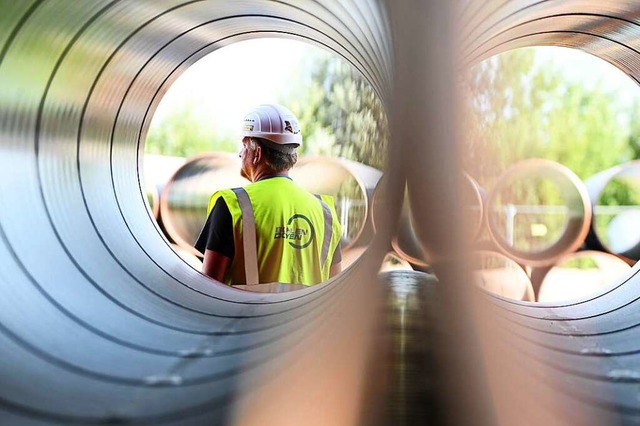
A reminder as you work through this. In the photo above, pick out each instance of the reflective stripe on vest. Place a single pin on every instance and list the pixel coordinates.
(249, 235)
(328, 224)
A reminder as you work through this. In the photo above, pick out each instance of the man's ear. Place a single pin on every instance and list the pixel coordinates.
(257, 154)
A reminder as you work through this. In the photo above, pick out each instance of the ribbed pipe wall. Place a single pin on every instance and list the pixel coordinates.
(101, 322)
(589, 348)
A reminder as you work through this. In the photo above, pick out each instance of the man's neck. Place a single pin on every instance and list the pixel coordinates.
(264, 173)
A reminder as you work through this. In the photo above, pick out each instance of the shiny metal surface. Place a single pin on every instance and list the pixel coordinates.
(102, 323)
(110, 325)
(412, 323)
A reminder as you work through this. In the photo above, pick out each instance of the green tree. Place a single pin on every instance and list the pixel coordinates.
(503, 112)
(585, 133)
(519, 109)
(339, 111)
(633, 139)
(184, 133)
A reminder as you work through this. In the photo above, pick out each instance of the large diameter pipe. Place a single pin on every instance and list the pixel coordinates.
(125, 332)
(352, 184)
(580, 275)
(405, 242)
(499, 275)
(615, 227)
(529, 229)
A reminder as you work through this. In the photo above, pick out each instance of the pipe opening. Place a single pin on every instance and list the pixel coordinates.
(194, 135)
(548, 129)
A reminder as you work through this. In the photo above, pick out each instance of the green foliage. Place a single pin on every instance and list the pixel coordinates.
(339, 112)
(531, 191)
(587, 136)
(518, 110)
(583, 262)
(620, 192)
(183, 133)
(633, 137)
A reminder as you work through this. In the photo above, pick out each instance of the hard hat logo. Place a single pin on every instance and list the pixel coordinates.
(289, 127)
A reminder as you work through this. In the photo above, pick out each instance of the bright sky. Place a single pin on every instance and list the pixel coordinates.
(226, 83)
(231, 80)
(580, 66)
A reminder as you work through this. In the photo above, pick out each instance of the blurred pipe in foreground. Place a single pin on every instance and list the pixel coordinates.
(615, 197)
(529, 228)
(423, 123)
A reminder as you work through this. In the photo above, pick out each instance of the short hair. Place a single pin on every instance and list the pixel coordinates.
(278, 161)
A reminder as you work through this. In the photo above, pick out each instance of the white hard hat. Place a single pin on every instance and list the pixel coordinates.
(274, 123)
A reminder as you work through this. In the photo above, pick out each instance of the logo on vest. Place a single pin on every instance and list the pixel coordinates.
(299, 231)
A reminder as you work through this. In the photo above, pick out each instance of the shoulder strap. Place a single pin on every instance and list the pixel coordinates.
(328, 230)
(248, 237)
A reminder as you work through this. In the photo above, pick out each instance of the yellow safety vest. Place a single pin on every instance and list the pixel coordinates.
(295, 233)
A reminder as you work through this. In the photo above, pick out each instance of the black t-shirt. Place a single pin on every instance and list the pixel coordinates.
(217, 233)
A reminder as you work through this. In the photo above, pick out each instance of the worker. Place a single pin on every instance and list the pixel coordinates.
(271, 230)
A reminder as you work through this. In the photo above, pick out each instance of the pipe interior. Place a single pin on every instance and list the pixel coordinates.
(80, 253)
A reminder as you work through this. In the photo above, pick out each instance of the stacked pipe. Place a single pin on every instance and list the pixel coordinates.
(536, 244)
(558, 270)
